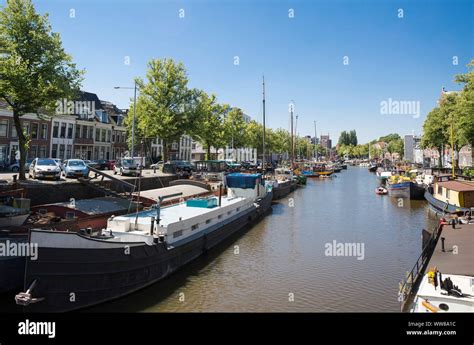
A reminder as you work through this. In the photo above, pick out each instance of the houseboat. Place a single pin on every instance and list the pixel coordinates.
(75, 270)
(451, 196)
(283, 183)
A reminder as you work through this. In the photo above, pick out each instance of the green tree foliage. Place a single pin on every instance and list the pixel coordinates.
(165, 105)
(209, 127)
(235, 128)
(35, 71)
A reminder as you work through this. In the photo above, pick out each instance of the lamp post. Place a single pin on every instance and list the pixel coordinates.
(134, 88)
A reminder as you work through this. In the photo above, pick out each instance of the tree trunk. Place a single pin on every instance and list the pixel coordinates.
(22, 143)
(165, 150)
(208, 157)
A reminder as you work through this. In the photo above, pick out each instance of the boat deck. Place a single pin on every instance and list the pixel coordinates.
(447, 262)
(186, 190)
(175, 213)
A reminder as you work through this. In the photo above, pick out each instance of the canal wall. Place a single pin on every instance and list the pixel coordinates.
(47, 193)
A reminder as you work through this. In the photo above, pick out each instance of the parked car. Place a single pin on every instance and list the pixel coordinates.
(75, 168)
(111, 165)
(101, 164)
(157, 165)
(126, 166)
(15, 167)
(44, 167)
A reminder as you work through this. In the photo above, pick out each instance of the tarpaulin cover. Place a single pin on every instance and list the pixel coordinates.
(238, 180)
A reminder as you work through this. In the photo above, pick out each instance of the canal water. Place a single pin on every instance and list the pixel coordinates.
(281, 264)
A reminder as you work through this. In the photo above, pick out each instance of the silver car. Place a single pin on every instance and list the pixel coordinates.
(44, 168)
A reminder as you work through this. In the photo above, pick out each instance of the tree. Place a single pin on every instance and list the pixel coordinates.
(165, 106)
(464, 111)
(352, 138)
(209, 122)
(281, 141)
(35, 71)
(234, 128)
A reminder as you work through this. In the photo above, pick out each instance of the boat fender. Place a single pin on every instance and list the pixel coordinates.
(429, 306)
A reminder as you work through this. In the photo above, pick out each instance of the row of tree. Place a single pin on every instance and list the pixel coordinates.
(348, 138)
(392, 143)
(451, 122)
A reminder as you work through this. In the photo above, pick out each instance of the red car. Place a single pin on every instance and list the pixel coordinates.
(110, 165)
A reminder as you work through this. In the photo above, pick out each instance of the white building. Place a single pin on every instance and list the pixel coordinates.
(62, 136)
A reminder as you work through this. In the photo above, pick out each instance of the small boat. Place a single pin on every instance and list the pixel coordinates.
(381, 191)
(373, 167)
(74, 270)
(344, 166)
(383, 175)
(283, 184)
(13, 211)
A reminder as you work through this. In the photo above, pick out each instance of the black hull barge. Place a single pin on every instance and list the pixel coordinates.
(74, 271)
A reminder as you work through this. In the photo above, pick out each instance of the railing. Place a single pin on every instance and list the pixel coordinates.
(412, 279)
(117, 185)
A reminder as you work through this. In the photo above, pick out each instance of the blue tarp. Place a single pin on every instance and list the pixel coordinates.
(239, 180)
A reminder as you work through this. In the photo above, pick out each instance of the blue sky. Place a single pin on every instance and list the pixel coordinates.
(407, 58)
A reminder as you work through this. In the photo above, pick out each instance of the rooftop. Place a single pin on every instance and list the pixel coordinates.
(458, 186)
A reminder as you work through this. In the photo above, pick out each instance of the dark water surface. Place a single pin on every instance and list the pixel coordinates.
(281, 263)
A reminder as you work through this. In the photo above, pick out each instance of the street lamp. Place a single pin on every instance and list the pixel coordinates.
(134, 111)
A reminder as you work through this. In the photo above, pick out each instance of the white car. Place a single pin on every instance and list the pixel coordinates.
(45, 168)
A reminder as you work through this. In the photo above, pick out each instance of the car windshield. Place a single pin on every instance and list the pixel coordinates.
(128, 162)
(76, 163)
(47, 162)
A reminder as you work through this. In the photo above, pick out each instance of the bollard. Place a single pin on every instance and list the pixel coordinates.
(442, 244)
(453, 223)
(14, 178)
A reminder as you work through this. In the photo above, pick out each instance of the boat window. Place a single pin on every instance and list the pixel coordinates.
(208, 221)
(195, 226)
(229, 212)
(177, 233)
(447, 193)
(238, 209)
(444, 306)
(440, 190)
(219, 216)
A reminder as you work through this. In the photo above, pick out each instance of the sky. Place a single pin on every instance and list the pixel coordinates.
(338, 61)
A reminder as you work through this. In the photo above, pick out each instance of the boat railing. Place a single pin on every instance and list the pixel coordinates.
(114, 185)
(413, 277)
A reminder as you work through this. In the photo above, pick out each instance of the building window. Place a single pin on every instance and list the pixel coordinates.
(54, 151)
(14, 133)
(109, 136)
(42, 152)
(61, 151)
(69, 152)
(103, 138)
(34, 151)
(97, 134)
(70, 129)
(78, 131)
(34, 130)
(3, 128)
(91, 132)
(55, 131)
(63, 130)
(44, 131)
(26, 128)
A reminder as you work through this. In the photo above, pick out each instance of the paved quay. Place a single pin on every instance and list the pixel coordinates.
(458, 255)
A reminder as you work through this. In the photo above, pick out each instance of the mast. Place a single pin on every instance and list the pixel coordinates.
(263, 158)
(315, 138)
(291, 131)
(296, 137)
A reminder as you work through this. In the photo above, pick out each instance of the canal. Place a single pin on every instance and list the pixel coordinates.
(280, 265)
